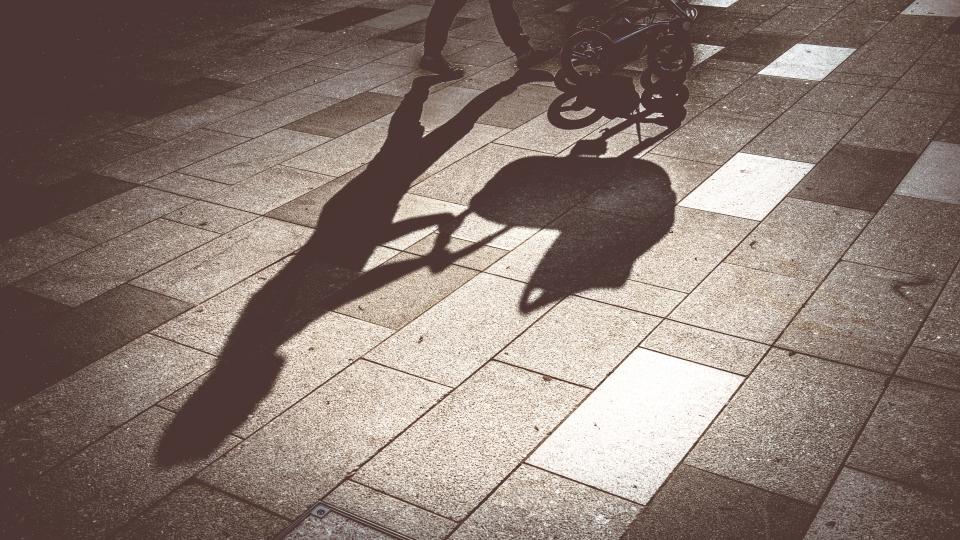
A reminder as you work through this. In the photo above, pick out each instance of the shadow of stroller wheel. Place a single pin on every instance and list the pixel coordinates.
(567, 103)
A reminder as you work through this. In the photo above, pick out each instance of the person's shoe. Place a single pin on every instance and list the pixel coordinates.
(534, 57)
(440, 66)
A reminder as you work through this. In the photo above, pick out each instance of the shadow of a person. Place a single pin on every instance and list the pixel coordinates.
(328, 271)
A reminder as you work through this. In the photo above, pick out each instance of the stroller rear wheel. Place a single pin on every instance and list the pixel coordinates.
(586, 55)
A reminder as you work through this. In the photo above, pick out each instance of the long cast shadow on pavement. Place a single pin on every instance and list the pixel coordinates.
(593, 249)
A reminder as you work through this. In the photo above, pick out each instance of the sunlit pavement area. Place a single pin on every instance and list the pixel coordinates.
(245, 295)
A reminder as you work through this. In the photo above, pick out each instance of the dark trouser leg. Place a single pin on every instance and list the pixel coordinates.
(438, 25)
(508, 25)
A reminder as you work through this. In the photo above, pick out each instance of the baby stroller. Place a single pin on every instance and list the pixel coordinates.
(601, 46)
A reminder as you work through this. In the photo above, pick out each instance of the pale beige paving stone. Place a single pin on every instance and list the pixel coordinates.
(789, 427)
(540, 135)
(444, 104)
(99, 269)
(638, 297)
(413, 207)
(50, 426)
(707, 347)
(110, 482)
(636, 427)
(389, 512)
(915, 236)
(478, 137)
(25, 254)
(801, 239)
(861, 505)
(464, 447)
(533, 503)
(204, 272)
(283, 83)
(119, 214)
(744, 302)
(357, 81)
(194, 510)
(319, 351)
(345, 153)
(461, 332)
(302, 455)
(579, 341)
(211, 217)
(176, 123)
(863, 316)
(273, 114)
(254, 156)
(941, 331)
(935, 175)
(171, 155)
(268, 189)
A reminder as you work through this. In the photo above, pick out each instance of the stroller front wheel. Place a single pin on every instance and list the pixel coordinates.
(586, 55)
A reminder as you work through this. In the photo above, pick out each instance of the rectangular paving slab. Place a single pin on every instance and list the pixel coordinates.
(119, 214)
(171, 155)
(389, 512)
(243, 161)
(707, 347)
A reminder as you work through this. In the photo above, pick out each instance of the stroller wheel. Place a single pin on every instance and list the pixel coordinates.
(670, 55)
(585, 55)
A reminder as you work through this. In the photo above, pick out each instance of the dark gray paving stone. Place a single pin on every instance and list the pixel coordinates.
(520, 106)
(878, 10)
(414, 33)
(268, 189)
(119, 214)
(913, 29)
(848, 99)
(894, 126)
(950, 132)
(342, 19)
(916, 236)
(532, 503)
(861, 505)
(756, 48)
(91, 155)
(765, 97)
(914, 437)
(279, 112)
(716, 26)
(744, 302)
(362, 53)
(484, 53)
(110, 482)
(191, 117)
(707, 347)
(941, 332)
(931, 367)
(855, 177)
(862, 316)
(705, 81)
(801, 135)
(696, 504)
(875, 81)
(712, 137)
(801, 239)
(844, 32)
(304, 449)
(789, 427)
(758, 8)
(36, 250)
(346, 115)
(255, 156)
(933, 78)
(796, 21)
(882, 58)
(195, 511)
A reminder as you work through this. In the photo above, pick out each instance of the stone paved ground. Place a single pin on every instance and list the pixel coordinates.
(749, 330)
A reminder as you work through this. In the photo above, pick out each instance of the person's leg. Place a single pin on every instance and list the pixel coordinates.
(508, 26)
(438, 25)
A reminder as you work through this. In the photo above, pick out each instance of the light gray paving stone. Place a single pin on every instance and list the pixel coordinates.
(789, 427)
(273, 114)
(540, 135)
(408, 296)
(171, 155)
(748, 186)
(184, 184)
(913, 437)
(714, 136)
(707, 347)
(479, 136)
(638, 297)
(744, 302)
(863, 316)
(636, 427)
(415, 206)
(360, 54)
(196, 511)
(99, 269)
(444, 104)
(861, 505)
(459, 182)
(931, 367)
(269, 189)
(283, 83)
(465, 446)
(255, 66)
(357, 81)
(479, 260)
(805, 61)
(934, 8)
(119, 214)
(935, 175)
(389, 512)
(111, 481)
(43, 430)
(180, 121)
(399, 17)
(94, 154)
(211, 217)
(457, 335)
(254, 156)
(204, 272)
(941, 331)
(916, 236)
(801, 239)
(697, 242)
(345, 153)
(321, 440)
(579, 341)
(533, 503)
(333, 525)
(36, 250)
(316, 353)
(802, 135)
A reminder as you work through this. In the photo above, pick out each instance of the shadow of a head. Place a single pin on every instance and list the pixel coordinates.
(598, 217)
